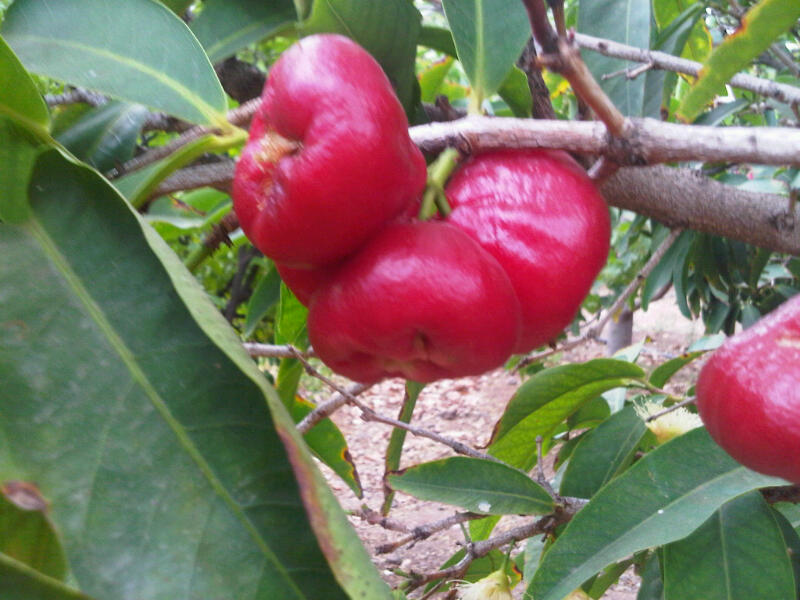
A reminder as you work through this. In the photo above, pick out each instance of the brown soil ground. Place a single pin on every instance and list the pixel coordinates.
(466, 410)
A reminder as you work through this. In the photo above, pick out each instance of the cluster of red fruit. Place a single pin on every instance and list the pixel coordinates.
(328, 186)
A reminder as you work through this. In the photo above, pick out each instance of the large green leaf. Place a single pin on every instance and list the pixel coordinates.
(26, 534)
(18, 148)
(130, 402)
(625, 21)
(739, 553)
(137, 50)
(602, 453)
(662, 498)
(549, 397)
(478, 485)
(760, 26)
(105, 136)
(18, 581)
(388, 30)
(489, 36)
(226, 26)
(19, 98)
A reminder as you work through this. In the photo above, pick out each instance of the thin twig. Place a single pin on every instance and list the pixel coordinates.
(670, 409)
(661, 60)
(330, 406)
(370, 415)
(595, 330)
(275, 351)
(416, 534)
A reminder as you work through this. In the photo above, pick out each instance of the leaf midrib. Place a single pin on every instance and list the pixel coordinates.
(205, 109)
(51, 250)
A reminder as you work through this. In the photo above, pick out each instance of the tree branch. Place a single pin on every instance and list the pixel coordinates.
(661, 60)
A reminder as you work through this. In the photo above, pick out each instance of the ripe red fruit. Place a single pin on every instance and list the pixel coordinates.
(748, 394)
(329, 160)
(421, 301)
(541, 217)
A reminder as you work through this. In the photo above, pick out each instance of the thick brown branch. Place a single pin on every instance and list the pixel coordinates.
(661, 60)
(684, 198)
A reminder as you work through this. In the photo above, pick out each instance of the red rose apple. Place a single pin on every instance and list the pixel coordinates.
(748, 394)
(422, 301)
(329, 160)
(538, 213)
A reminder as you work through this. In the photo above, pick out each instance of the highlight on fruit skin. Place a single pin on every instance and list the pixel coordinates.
(748, 394)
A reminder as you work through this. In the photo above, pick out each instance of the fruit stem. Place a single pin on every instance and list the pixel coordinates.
(434, 199)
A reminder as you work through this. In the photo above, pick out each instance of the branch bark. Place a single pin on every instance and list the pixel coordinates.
(668, 62)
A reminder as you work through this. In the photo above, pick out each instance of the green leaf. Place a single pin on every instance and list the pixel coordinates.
(489, 36)
(652, 587)
(18, 149)
(662, 498)
(106, 135)
(265, 296)
(738, 553)
(760, 27)
(328, 444)
(478, 485)
(791, 512)
(625, 21)
(388, 30)
(226, 26)
(548, 398)
(394, 450)
(176, 6)
(437, 38)
(99, 45)
(516, 93)
(431, 79)
(602, 454)
(151, 434)
(672, 39)
(19, 98)
(698, 45)
(20, 582)
(663, 271)
(663, 372)
(26, 534)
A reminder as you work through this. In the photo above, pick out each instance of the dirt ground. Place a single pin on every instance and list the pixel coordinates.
(465, 410)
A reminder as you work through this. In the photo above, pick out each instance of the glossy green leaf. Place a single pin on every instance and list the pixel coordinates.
(265, 295)
(760, 27)
(388, 30)
(625, 21)
(431, 79)
(394, 450)
(489, 36)
(20, 582)
(738, 553)
(99, 45)
(18, 149)
(664, 372)
(602, 454)
(662, 274)
(478, 485)
(19, 98)
(151, 434)
(660, 84)
(26, 534)
(792, 543)
(791, 512)
(105, 136)
(328, 444)
(516, 93)
(549, 397)
(437, 38)
(662, 498)
(226, 26)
